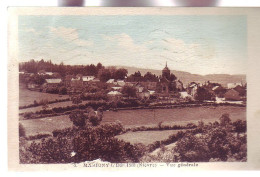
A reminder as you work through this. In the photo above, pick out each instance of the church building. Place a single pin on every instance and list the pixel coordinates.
(167, 82)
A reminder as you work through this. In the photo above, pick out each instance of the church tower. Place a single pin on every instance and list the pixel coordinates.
(166, 72)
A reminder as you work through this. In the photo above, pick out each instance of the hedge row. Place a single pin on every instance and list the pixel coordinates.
(35, 104)
(163, 127)
(112, 105)
(38, 136)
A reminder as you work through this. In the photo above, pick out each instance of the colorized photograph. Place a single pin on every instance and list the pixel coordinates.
(132, 88)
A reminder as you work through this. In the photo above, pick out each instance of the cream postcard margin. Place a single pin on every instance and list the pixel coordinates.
(253, 81)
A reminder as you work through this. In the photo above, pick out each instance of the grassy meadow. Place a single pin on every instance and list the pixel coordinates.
(27, 97)
(146, 137)
(144, 117)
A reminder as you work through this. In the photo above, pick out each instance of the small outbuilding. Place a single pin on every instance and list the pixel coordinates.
(232, 95)
(114, 93)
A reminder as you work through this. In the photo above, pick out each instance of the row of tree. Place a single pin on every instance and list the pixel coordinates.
(33, 66)
(103, 73)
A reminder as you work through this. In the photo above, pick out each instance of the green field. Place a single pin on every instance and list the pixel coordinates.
(27, 97)
(145, 117)
(146, 137)
(45, 125)
(50, 106)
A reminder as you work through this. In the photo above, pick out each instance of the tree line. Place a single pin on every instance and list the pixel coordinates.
(33, 66)
(99, 71)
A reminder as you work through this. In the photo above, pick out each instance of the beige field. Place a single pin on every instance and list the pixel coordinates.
(146, 137)
(27, 97)
(135, 118)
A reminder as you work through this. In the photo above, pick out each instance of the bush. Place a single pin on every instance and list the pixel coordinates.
(28, 115)
(160, 125)
(65, 132)
(91, 117)
(239, 126)
(43, 102)
(38, 136)
(210, 142)
(35, 103)
(78, 117)
(50, 151)
(192, 149)
(53, 90)
(88, 143)
(95, 96)
(94, 120)
(63, 90)
(215, 144)
(224, 119)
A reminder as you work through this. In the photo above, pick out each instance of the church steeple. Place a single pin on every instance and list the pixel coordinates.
(166, 71)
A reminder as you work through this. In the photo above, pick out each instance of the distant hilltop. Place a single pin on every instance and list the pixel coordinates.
(187, 77)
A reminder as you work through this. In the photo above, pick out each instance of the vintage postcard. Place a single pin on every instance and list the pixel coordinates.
(119, 88)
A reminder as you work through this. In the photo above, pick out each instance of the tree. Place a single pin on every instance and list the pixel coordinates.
(172, 77)
(95, 117)
(37, 79)
(239, 126)
(150, 77)
(62, 69)
(92, 70)
(78, 118)
(192, 149)
(76, 100)
(224, 119)
(203, 94)
(44, 103)
(137, 74)
(90, 117)
(136, 77)
(120, 74)
(130, 91)
(63, 90)
(100, 66)
(104, 75)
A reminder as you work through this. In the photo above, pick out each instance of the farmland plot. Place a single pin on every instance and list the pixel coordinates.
(50, 106)
(144, 117)
(146, 137)
(27, 97)
(179, 116)
(45, 125)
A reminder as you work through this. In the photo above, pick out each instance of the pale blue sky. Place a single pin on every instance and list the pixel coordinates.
(196, 44)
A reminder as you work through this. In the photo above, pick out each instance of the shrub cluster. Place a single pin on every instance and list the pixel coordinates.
(38, 136)
(124, 103)
(35, 103)
(52, 90)
(94, 96)
(82, 144)
(93, 104)
(211, 142)
(163, 127)
(216, 144)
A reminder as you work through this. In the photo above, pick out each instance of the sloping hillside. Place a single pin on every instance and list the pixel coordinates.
(187, 77)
